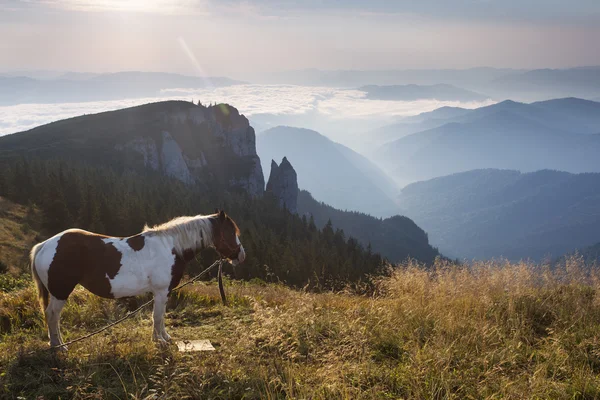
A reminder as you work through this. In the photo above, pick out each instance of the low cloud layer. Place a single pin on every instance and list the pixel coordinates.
(336, 104)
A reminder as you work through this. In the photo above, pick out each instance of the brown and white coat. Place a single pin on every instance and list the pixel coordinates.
(152, 261)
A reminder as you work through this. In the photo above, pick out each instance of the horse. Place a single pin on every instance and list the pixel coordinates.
(114, 267)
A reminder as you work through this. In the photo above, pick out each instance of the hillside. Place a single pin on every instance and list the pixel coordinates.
(558, 134)
(396, 238)
(441, 92)
(488, 331)
(280, 246)
(501, 213)
(18, 231)
(332, 172)
(192, 143)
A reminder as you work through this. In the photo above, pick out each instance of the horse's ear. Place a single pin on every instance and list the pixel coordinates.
(222, 215)
(216, 210)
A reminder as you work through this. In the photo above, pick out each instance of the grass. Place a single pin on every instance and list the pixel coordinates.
(493, 330)
(18, 233)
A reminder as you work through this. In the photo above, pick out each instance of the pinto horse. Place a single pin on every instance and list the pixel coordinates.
(113, 267)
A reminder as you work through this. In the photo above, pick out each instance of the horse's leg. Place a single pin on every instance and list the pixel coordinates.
(160, 305)
(164, 333)
(53, 311)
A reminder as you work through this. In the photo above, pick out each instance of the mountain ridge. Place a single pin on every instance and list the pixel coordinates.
(411, 92)
(553, 134)
(99, 87)
(397, 237)
(489, 213)
(190, 142)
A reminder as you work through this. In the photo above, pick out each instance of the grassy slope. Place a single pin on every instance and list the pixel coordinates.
(19, 231)
(17, 235)
(495, 331)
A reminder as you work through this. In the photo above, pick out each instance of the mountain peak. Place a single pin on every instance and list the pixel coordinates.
(283, 184)
(507, 103)
(285, 164)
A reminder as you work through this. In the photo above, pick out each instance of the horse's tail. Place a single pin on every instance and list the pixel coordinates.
(43, 294)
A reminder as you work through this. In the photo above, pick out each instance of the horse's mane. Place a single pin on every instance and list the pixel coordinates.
(187, 231)
(237, 229)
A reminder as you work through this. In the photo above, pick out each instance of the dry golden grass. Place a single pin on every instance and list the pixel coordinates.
(17, 235)
(494, 330)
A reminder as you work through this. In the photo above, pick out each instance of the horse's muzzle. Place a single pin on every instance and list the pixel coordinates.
(241, 256)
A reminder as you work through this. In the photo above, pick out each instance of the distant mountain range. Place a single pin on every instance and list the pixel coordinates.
(523, 85)
(332, 172)
(548, 83)
(497, 83)
(441, 92)
(501, 213)
(558, 134)
(377, 137)
(75, 87)
(354, 78)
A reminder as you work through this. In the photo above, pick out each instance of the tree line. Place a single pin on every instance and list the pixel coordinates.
(280, 246)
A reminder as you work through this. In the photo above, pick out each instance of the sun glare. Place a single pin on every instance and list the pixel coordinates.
(149, 6)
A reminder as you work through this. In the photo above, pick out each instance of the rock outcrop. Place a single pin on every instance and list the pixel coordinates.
(199, 144)
(283, 184)
(146, 147)
(172, 159)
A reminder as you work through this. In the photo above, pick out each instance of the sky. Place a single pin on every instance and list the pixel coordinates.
(242, 38)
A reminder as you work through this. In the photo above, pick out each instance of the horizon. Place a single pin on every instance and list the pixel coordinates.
(307, 69)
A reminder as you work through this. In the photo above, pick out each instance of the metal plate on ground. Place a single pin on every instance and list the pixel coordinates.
(195, 345)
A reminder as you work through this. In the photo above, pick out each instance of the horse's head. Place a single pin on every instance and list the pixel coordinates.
(226, 238)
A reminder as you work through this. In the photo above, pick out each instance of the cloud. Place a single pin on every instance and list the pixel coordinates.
(261, 99)
(354, 104)
(332, 102)
(335, 104)
(22, 117)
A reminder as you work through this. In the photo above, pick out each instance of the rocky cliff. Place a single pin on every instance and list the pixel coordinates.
(204, 143)
(283, 184)
(192, 143)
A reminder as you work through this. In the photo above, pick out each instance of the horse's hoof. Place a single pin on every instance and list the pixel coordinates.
(167, 337)
(159, 340)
